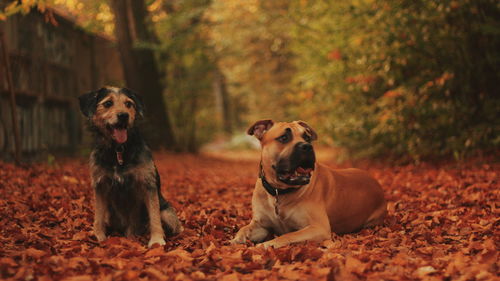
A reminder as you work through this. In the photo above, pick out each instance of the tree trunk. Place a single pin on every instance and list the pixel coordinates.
(222, 99)
(141, 72)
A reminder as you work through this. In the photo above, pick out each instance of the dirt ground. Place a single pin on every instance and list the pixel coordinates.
(443, 224)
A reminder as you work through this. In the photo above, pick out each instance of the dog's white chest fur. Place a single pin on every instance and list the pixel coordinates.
(117, 176)
(280, 218)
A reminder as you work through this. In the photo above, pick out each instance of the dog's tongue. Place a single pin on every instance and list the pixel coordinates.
(304, 171)
(120, 135)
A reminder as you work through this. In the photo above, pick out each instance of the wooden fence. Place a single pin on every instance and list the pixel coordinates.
(51, 66)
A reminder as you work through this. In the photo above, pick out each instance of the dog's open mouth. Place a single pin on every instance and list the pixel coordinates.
(299, 176)
(118, 133)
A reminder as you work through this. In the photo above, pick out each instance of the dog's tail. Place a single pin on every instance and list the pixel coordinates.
(170, 222)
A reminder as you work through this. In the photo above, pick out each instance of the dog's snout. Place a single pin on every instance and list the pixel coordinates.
(122, 116)
(305, 146)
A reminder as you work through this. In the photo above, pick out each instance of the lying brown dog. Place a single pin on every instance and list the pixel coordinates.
(302, 200)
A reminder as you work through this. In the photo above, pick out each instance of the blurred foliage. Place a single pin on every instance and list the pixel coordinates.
(414, 78)
(189, 64)
(380, 78)
(251, 41)
(9, 8)
(93, 15)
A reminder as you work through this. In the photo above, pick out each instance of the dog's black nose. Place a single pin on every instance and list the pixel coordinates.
(304, 146)
(122, 116)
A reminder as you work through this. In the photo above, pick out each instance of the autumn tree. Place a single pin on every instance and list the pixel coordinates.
(409, 78)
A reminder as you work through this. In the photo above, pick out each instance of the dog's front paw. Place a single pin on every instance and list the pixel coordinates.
(240, 238)
(238, 241)
(270, 243)
(265, 245)
(100, 236)
(156, 240)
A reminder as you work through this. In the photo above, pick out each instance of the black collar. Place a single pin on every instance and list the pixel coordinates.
(276, 191)
(272, 190)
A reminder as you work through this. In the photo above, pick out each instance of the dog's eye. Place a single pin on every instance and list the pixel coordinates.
(283, 139)
(128, 104)
(108, 104)
(306, 137)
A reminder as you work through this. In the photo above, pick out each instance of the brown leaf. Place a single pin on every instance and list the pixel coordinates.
(352, 264)
(441, 225)
(184, 255)
(230, 277)
(79, 278)
(153, 272)
(155, 252)
(34, 253)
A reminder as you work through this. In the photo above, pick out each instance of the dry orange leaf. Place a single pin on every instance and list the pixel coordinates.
(441, 225)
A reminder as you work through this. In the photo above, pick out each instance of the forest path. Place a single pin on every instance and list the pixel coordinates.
(443, 222)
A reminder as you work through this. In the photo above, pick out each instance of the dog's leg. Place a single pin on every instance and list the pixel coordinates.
(253, 232)
(153, 206)
(309, 233)
(100, 216)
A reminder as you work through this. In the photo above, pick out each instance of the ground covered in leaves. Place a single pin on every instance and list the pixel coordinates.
(443, 224)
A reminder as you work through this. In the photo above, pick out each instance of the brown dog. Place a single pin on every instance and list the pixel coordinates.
(303, 200)
(127, 186)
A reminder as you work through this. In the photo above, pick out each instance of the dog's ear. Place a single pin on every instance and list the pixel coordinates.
(139, 105)
(309, 130)
(88, 103)
(259, 128)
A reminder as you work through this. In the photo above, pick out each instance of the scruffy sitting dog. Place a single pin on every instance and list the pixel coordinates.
(125, 180)
(300, 199)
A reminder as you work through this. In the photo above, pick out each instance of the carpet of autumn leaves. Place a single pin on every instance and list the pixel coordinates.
(443, 224)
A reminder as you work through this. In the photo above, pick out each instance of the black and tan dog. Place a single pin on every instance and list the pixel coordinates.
(125, 180)
(300, 199)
